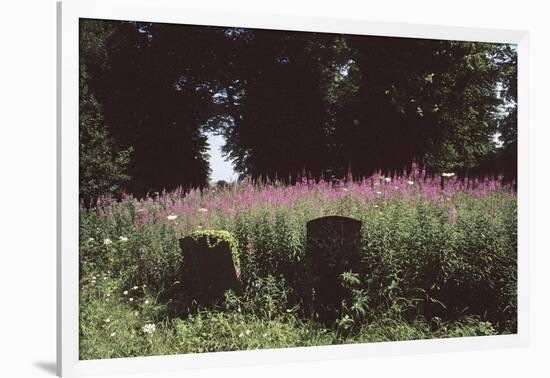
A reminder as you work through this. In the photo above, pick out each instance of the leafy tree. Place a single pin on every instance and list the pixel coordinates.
(333, 103)
(508, 126)
(430, 101)
(278, 131)
(289, 103)
(155, 96)
(102, 165)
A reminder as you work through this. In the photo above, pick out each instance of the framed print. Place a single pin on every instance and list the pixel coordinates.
(240, 188)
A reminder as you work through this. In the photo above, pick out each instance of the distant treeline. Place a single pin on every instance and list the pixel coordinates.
(287, 103)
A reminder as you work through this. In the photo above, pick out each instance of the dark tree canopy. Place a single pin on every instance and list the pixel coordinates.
(288, 103)
(102, 165)
(427, 100)
(278, 131)
(154, 99)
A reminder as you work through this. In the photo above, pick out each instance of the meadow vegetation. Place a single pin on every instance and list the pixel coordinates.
(435, 262)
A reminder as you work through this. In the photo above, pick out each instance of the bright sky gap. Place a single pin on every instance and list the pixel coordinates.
(221, 168)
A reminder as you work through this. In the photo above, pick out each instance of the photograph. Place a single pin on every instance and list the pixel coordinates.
(244, 188)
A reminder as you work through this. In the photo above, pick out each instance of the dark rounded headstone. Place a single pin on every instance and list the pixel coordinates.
(332, 248)
(209, 269)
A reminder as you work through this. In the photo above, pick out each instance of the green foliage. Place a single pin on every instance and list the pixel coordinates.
(390, 328)
(272, 245)
(355, 310)
(424, 272)
(102, 163)
(213, 237)
(116, 322)
(131, 323)
(149, 101)
(288, 104)
(102, 168)
(149, 258)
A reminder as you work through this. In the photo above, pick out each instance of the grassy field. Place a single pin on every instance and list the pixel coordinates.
(434, 263)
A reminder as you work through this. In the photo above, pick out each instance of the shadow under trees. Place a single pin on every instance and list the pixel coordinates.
(288, 104)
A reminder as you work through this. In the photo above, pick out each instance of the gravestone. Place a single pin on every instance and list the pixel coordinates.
(332, 248)
(208, 268)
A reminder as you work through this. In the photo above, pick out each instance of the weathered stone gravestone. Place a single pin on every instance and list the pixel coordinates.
(332, 248)
(209, 265)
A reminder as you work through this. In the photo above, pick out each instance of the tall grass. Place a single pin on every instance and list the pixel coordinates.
(435, 262)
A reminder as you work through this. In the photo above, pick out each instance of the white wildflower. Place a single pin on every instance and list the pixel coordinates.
(113, 334)
(146, 301)
(131, 299)
(107, 320)
(125, 292)
(241, 334)
(91, 239)
(248, 332)
(123, 239)
(450, 174)
(410, 182)
(107, 241)
(149, 328)
(387, 179)
(136, 313)
(202, 210)
(108, 294)
(172, 217)
(135, 288)
(378, 193)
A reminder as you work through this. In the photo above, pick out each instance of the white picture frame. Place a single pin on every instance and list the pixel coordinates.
(173, 11)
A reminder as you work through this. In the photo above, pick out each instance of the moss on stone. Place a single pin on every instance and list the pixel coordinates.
(214, 237)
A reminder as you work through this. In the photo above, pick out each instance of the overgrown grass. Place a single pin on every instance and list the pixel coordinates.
(434, 263)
